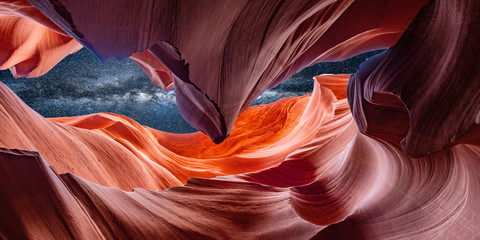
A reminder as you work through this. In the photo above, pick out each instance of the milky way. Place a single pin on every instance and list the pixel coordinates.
(81, 84)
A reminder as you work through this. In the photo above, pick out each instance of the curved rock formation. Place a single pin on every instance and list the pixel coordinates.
(23, 9)
(123, 154)
(341, 184)
(159, 74)
(246, 46)
(429, 79)
(262, 137)
(31, 45)
(299, 168)
(90, 155)
(32, 49)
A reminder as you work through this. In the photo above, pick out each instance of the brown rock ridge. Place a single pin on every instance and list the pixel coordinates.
(423, 94)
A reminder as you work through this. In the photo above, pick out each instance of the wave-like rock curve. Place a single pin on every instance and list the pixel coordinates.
(340, 184)
(246, 46)
(424, 91)
(297, 168)
(115, 151)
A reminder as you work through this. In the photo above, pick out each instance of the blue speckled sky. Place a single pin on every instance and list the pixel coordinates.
(81, 84)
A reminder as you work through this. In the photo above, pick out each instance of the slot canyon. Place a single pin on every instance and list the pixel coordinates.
(389, 150)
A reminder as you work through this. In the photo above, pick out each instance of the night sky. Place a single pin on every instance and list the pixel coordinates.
(81, 84)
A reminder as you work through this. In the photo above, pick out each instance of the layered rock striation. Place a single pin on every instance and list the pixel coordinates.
(390, 152)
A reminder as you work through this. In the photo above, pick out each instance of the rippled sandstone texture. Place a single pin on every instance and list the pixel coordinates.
(222, 56)
(30, 43)
(427, 86)
(402, 165)
(340, 184)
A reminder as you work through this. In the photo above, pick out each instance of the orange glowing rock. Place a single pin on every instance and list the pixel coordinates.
(299, 168)
(32, 49)
(90, 155)
(31, 45)
(123, 154)
(340, 184)
(262, 137)
(222, 56)
(23, 9)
